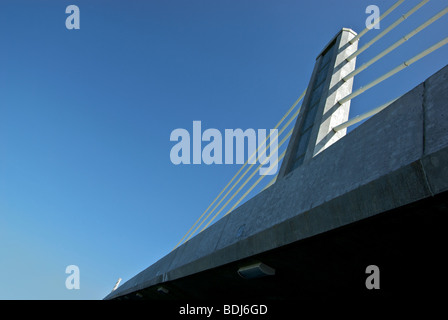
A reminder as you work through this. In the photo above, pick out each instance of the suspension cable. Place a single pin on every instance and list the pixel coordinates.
(384, 15)
(387, 30)
(394, 71)
(396, 44)
(233, 178)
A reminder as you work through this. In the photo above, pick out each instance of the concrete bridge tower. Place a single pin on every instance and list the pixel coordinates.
(321, 111)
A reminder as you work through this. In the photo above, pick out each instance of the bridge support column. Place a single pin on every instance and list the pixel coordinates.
(321, 111)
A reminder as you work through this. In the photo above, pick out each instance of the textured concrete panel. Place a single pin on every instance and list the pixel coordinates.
(436, 170)
(241, 223)
(200, 245)
(436, 111)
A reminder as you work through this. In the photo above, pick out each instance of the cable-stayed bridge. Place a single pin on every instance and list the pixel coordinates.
(339, 203)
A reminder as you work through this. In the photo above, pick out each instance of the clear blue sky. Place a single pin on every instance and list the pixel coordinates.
(86, 116)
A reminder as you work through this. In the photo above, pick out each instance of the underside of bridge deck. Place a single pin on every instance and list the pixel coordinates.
(407, 244)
